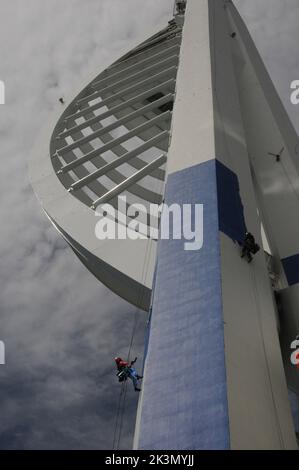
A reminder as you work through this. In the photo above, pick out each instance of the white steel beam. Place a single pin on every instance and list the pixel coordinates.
(130, 181)
(130, 117)
(122, 93)
(117, 108)
(110, 145)
(119, 161)
(137, 66)
(115, 86)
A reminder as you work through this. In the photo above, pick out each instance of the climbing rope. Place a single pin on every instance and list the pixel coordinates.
(118, 415)
(123, 393)
(135, 323)
(261, 329)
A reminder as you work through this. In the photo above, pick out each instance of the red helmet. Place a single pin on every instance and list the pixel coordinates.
(118, 360)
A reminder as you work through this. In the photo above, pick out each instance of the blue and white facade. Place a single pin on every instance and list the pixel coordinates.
(191, 116)
(214, 375)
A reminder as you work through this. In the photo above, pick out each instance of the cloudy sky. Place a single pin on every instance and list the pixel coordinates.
(58, 389)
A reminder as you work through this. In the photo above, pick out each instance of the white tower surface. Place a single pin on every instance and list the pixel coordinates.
(191, 116)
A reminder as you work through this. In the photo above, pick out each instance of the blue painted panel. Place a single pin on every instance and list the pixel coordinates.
(148, 327)
(230, 207)
(291, 269)
(294, 401)
(184, 403)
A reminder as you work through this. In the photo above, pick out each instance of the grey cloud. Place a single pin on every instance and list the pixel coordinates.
(61, 327)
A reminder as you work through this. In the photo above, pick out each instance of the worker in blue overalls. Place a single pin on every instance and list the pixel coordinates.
(125, 370)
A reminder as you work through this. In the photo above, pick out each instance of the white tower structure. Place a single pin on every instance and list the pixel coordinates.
(191, 117)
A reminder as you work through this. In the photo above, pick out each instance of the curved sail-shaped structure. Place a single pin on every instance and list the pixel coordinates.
(110, 142)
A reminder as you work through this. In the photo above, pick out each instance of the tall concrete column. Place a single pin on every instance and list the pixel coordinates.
(213, 376)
